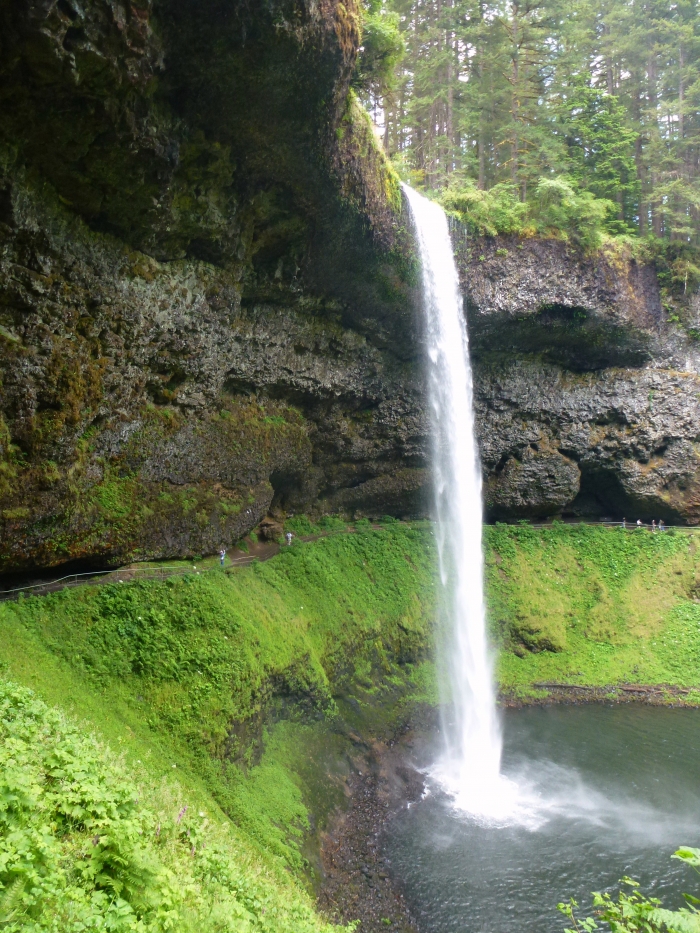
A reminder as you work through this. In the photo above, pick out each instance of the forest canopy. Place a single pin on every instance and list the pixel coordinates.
(535, 115)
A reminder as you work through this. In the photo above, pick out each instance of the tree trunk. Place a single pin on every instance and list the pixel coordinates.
(608, 65)
(656, 224)
(681, 92)
(386, 125)
(515, 105)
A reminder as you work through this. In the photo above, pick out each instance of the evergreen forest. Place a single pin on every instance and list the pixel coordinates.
(530, 115)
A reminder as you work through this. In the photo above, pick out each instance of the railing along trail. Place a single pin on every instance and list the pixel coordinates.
(133, 574)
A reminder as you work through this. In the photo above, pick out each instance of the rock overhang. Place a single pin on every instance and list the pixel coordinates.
(548, 300)
(586, 395)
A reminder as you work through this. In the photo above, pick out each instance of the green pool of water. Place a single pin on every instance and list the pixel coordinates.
(604, 792)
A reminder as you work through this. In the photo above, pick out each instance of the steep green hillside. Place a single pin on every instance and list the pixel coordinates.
(592, 605)
(186, 740)
(237, 694)
(91, 841)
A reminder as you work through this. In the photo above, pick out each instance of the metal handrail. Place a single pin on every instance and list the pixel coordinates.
(147, 571)
(74, 579)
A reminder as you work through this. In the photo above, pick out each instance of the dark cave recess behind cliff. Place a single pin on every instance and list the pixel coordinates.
(208, 303)
(586, 393)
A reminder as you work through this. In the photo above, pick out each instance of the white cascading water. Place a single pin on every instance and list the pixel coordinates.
(470, 767)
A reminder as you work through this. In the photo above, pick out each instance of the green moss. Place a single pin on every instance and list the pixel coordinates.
(9, 466)
(126, 516)
(91, 840)
(16, 514)
(595, 606)
(205, 662)
(248, 686)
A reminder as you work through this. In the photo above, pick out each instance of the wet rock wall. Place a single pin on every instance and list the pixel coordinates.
(206, 280)
(586, 386)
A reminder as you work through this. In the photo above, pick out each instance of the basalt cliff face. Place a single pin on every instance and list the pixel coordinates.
(206, 298)
(586, 386)
(208, 302)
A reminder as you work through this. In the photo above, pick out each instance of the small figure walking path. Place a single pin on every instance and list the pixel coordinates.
(236, 557)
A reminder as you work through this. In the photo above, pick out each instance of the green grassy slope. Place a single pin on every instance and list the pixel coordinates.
(219, 692)
(592, 605)
(239, 695)
(90, 840)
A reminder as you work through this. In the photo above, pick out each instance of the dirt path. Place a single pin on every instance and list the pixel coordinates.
(235, 557)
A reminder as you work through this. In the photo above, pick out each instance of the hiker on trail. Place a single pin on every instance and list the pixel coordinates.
(624, 523)
(653, 526)
(662, 527)
(289, 537)
(222, 555)
(639, 523)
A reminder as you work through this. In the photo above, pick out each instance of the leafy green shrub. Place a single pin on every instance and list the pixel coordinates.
(301, 526)
(84, 848)
(486, 213)
(332, 523)
(685, 275)
(363, 524)
(559, 207)
(381, 50)
(677, 265)
(636, 913)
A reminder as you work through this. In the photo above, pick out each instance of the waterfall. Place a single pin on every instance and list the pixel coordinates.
(469, 769)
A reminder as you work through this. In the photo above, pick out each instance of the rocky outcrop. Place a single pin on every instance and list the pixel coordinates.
(155, 408)
(587, 396)
(208, 313)
(206, 307)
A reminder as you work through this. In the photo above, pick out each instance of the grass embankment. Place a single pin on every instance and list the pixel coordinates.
(230, 694)
(576, 604)
(205, 722)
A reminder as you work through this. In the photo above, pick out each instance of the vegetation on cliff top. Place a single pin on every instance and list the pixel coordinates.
(600, 97)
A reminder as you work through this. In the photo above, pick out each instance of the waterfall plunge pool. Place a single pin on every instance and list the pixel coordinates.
(604, 791)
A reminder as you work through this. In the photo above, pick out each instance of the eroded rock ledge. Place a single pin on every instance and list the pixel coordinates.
(587, 395)
(206, 280)
(208, 302)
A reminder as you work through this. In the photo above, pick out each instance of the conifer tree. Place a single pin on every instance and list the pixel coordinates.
(603, 95)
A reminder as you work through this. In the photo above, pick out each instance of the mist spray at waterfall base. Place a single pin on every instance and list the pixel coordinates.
(469, 769)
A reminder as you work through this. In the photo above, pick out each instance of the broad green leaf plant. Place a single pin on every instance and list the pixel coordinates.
(633, 912)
